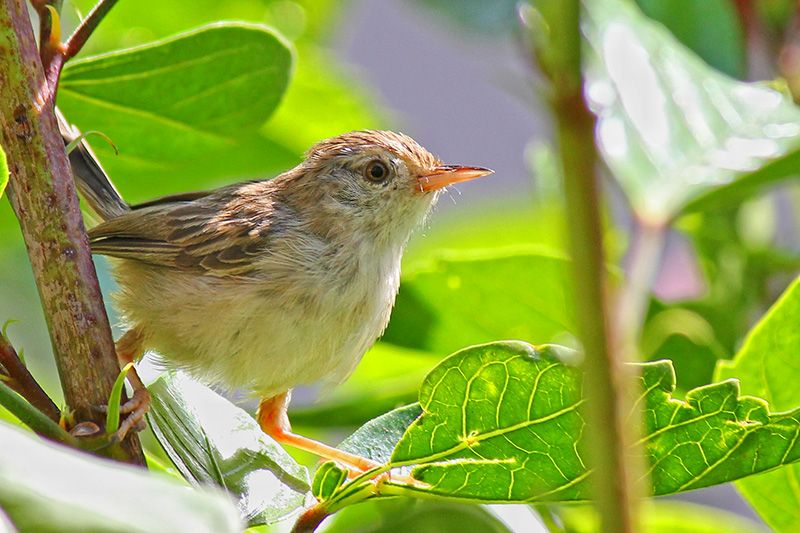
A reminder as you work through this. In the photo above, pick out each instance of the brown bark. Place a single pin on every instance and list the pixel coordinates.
(42, 193)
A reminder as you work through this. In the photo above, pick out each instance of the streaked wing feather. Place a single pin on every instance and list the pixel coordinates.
(207, 234)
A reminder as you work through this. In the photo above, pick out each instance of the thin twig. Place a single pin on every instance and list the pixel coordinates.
(24, 383)
(78, 39)
(645, 256)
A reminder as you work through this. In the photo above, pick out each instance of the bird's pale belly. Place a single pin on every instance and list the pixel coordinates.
(266, 342)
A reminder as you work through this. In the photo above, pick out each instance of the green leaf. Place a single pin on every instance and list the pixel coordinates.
(190, 104)
(768, 366)
(470, 298)
(3, 171)
(677, 134)
(114, 399)
(22, 410)
(50, 488)
(323, 100)
(501, 422)
(131, 23)
(720, 44)
(328, 478)
(211, 441)
(216, 80)
(377, 438)
(403, 515)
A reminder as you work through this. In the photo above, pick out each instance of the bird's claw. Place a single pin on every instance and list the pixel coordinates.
(135, 408)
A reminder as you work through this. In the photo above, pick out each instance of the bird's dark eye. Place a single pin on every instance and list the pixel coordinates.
(376, 171)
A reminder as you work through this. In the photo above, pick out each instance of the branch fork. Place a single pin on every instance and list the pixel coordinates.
(53, 52)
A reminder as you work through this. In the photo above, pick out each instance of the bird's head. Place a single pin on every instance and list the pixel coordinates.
(379, 182)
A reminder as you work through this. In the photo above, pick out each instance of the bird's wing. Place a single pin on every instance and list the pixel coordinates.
(218, 233)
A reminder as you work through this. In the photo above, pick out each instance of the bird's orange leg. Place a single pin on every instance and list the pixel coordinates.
(274, 422)
(130, 348)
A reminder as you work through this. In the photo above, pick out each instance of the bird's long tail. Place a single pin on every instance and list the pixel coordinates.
(92, 181)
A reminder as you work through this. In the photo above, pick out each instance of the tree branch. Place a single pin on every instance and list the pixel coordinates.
(23, 383)
(42, 193)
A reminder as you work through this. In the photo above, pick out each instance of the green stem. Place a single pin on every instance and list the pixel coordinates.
(32, 417)
(606, 408)
(42, 193)
(645, 256)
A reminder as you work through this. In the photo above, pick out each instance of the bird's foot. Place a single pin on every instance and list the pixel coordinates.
(135, 409)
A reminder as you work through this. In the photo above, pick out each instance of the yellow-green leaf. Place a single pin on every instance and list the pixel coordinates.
(3, 171)
(185, 108)
(328, 478)
(768, 366)
(501, 422)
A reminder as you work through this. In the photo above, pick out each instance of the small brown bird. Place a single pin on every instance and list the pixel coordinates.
(265, 285)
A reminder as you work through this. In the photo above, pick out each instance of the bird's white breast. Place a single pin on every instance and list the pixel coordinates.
(296, 325)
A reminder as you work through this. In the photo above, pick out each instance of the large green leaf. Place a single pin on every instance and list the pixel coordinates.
(501, 422)
(133, 23)
(46, 487)
(768, 366)
(469, 298)
(215, 80)
(720, 44)
(676, 133)
(188, 104)
(211, 441)
(403, 515)
(323, 100)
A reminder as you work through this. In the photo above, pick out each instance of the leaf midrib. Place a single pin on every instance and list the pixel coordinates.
(480, 437)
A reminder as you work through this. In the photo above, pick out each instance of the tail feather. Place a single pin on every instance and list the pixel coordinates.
(92, 181)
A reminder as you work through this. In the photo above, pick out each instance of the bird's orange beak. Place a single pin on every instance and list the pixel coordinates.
(448, 175)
